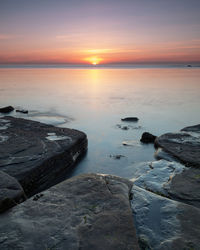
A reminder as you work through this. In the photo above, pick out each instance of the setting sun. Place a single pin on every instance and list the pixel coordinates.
(93, 60)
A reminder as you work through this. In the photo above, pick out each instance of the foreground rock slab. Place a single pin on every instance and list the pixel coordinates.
(37, 154)
(163, 223)
(184, 146)
(85, 212)
(11, 192)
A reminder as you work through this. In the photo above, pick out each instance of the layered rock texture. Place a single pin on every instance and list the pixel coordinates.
(163, 223)
(36, 154)
(166, 199)
(185, 145)
(11, 192)
(85, 212)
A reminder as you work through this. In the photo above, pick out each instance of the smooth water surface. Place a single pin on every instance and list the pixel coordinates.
(95, 100)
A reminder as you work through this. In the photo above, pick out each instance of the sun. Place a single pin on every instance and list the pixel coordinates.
(94, 60)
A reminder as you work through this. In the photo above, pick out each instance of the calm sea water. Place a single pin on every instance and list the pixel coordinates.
(94, 101)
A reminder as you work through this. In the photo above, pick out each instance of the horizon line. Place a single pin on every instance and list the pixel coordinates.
(102, 64)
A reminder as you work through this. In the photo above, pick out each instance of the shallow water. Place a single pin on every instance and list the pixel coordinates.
(94, 101)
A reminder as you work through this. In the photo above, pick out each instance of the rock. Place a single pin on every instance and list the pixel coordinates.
(189, 65)
(11, 192)
(185, 186)
(156, 176)
(129, 126)
(22, 111)
(131, 143)
(124, 128)
(7, 109)
(130, 119)
(147, 138)
(36, 154)
(183, 146)
(85, 212)
(162, 223)
(169, 179)
(195, 128)
(116, 157)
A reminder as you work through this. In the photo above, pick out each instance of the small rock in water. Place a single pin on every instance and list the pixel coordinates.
(130, 119)
(7, 109)
(147, 138)
(22, 111)
(116, 157)
(122, 127)
(131, 143)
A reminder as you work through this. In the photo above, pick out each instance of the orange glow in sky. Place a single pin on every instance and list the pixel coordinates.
(93, 60)
(99, 32)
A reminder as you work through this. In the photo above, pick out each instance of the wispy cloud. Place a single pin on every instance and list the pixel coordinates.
(109, 51)
(5, 37)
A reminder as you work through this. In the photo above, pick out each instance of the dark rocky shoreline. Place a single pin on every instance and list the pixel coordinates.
(37, 154)
(158, 209)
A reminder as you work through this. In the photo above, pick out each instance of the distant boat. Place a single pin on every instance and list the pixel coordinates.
(189, 65)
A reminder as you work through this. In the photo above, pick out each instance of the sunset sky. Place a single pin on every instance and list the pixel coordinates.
(99, 32)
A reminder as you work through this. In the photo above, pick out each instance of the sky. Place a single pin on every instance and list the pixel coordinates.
(99, 32)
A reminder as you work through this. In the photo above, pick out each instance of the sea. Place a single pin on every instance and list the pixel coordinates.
(95, 99)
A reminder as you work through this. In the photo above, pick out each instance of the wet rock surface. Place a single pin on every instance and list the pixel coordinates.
(185, 145)
(147, 138)
(195, 128)
(185, 187)
(156, 176)
(166, 197)
(163, 223)
(85, 212)
(11, 192)
(37, 154)
(7, 109)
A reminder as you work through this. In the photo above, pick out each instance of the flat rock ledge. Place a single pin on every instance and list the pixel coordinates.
(85, 212)
(164, 224)
(36, 154)
(184, 146)
(11, 192)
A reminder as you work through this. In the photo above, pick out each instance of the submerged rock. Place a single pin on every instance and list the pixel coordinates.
(147, 138)
(85, 212)
(36, 154)
(122, 127)
(130, 119)
(7, 109)
(116, 157)
(183, 146)
(11, 192)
